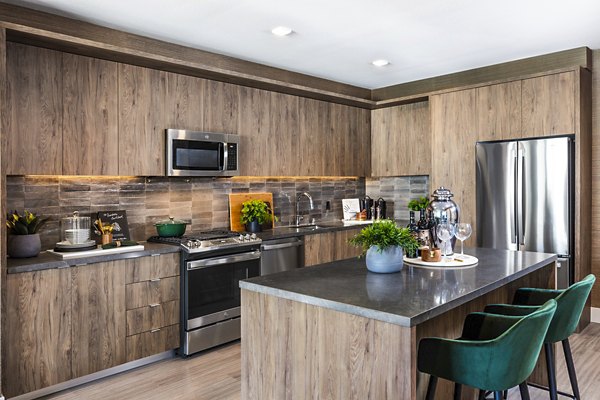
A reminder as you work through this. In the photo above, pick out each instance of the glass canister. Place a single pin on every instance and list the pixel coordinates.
(75, 229)
(443, 209)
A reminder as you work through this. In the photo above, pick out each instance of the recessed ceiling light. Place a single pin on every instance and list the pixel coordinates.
(281, 31)
(380, 63)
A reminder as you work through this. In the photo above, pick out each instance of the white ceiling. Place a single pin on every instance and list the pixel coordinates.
(337, 39)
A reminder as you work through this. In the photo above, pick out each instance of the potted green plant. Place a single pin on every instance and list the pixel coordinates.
(419, 204)
(384, 243)
(23, 237)
(254, 214)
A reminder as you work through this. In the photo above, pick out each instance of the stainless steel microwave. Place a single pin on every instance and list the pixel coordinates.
(191, 153)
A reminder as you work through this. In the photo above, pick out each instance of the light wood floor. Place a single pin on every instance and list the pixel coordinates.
(215, 375)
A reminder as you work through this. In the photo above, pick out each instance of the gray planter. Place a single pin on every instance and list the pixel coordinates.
(385, 262)
(253, 227)
(23, 246)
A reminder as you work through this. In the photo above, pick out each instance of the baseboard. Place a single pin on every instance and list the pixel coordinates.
(595, 315)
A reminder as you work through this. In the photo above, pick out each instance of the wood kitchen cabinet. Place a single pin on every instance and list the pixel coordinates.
(401, 140)
(33, 110)
(98, 303)
(65, 323)
(90, 114)
(498, 111)
(329, 246)
(36, 337)
(142, 119)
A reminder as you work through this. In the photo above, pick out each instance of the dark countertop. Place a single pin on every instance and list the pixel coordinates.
(407, 298)
(281, 232)
(49, 261)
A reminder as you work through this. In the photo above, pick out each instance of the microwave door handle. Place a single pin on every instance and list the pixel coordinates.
(224, 166)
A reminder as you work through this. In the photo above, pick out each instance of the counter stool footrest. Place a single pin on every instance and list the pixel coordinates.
(546, 388)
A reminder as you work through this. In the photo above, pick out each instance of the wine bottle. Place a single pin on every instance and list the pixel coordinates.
(414, 230)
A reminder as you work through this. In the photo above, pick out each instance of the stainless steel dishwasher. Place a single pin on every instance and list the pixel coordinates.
(281, 255)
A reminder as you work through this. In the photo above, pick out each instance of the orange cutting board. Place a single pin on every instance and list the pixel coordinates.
(235, 207)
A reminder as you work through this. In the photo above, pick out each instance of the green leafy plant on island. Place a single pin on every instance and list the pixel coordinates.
(384, 234)
(256, 210)
(26, 224)
(418, 204)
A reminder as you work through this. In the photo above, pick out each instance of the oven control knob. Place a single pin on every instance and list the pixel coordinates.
(253, 236)
(241, 238)
(247, 237)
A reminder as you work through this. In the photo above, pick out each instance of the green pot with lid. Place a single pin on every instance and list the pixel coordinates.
(171, 227)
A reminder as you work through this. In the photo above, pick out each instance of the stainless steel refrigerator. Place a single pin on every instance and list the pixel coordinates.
(525, 198)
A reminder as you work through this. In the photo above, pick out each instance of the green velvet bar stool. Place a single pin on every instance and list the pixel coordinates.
(570, 303)
(494, 352)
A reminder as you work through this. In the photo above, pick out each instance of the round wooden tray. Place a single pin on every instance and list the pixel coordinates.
(467, 261)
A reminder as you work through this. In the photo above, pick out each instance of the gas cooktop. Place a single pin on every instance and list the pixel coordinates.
(208, 240)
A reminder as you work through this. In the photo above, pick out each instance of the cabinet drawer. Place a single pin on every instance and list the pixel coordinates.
(160, 290)
(151, 317)
(148, 268)
(152, 342)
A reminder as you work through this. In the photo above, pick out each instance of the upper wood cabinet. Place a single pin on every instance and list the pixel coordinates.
(90, 130)
(549, 105)
(142, 120)
(33, 110)
(401, 140)
(498, 111)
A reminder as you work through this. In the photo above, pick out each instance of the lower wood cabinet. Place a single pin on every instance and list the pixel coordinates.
(62, 324)
(329, 246)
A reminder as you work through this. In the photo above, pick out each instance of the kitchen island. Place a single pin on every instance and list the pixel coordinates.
(339, 331)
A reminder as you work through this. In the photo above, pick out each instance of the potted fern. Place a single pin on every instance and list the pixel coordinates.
(23, 237)
(384, 243)
(254, 214)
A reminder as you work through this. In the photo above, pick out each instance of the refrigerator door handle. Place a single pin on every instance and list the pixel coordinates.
(520, 199)
(513, 226)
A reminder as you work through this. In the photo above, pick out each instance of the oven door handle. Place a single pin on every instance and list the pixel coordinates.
(210, 262)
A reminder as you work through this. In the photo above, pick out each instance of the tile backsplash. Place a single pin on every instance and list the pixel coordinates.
(202, 201)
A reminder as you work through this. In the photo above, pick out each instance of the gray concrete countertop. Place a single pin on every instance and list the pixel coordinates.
(49, 261)
(406, 298)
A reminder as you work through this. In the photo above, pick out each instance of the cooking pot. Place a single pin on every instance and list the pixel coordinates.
(171, 227)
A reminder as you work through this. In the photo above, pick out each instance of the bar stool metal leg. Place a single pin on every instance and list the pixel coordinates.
(498, 395)
(481, 395)
(457, 391)
(571, 368)
(524, 391)
(431, 388)
(551, 370)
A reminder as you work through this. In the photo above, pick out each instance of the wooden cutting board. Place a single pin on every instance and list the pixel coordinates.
(235, 207)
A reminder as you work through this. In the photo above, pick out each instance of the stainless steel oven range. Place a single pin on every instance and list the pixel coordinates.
(212, 264)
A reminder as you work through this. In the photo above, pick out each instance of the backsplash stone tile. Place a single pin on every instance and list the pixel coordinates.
(202, 201)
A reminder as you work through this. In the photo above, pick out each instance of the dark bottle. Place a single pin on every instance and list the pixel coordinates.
(414, 230)
(422, 224)
(423, 230)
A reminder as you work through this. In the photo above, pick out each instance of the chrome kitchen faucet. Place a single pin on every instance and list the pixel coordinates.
(298, 217)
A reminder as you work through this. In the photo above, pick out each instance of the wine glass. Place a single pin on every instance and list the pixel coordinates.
(445, 232)
(463, 232)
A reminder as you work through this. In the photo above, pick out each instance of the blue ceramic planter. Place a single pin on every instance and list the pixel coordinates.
(385, 262)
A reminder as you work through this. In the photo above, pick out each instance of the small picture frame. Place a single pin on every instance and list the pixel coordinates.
(119, 221)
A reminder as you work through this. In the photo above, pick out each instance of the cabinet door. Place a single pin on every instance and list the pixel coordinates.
(99, 329)
(255, 130)
(33, 110)
(90, 136)
(343, 249)
(283, 140)
(141, 121)
(152, 342)
(401, 140)
(184, 102)
(549, 105)
(318, 249)
(499, 111)
(36, 337)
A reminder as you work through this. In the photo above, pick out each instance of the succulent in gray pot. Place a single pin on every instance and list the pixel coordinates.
(23, 237)
(384, 244)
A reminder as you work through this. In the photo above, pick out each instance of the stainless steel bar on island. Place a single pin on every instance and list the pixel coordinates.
(338, 331)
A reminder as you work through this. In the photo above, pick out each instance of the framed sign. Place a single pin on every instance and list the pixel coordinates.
(119, 221)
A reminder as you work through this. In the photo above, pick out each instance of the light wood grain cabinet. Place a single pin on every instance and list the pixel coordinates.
(329, 246)
(90, 114)
(33, 113)
(98, 309)
(401, 140)
(36, 338)
(142, 119)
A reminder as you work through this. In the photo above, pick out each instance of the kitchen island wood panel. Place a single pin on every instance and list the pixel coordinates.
(549, 105)
(36, 334)
(90, 116)
(99, 329)
(401, 140)
(142, 93)
(33, 111)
